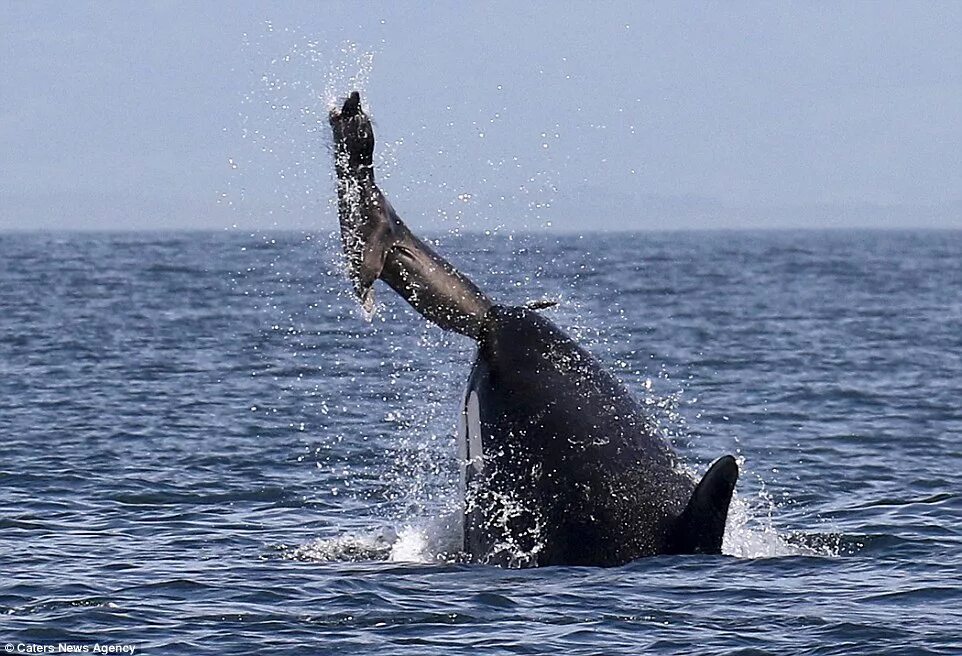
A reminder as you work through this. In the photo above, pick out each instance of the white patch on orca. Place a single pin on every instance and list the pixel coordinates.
(472, 417)
(463, 433)
(470, 452)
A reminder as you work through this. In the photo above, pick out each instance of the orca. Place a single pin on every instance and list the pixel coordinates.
(560, 464)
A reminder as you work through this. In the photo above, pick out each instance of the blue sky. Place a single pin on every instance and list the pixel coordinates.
(571, 116)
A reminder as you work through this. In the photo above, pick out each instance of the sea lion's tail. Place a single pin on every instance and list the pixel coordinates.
(378, 244)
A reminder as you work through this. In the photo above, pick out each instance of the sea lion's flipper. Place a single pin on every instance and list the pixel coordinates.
(367, 232)
(701, 526)
(378, 244)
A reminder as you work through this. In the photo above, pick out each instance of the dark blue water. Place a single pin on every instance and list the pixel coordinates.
(206, 449)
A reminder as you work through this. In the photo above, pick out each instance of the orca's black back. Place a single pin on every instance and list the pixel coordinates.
(572, 471)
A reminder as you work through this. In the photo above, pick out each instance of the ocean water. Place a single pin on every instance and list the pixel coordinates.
(206, 448)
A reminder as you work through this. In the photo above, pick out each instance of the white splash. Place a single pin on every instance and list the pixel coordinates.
(283, 126)
(750, 532)
(375, 545)
(429, 540)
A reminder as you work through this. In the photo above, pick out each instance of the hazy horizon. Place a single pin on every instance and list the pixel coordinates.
(560, 117)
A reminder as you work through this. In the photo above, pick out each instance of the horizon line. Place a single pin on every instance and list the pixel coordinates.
(484, 232)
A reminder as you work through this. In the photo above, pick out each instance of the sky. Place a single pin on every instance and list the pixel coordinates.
(489, 116)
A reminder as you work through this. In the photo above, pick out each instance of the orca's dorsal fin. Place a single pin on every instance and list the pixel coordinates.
(701, 527)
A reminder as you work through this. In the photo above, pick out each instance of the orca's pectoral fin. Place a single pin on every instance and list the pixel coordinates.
(701, 527)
